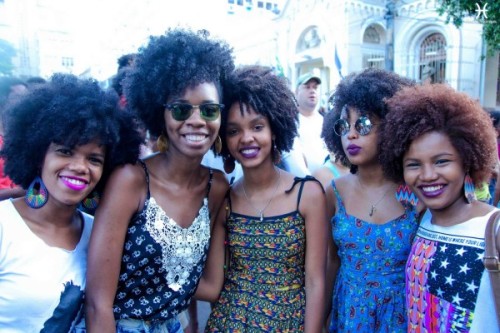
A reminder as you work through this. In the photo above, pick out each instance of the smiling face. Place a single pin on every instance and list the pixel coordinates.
(70, 174)
(195, 135)
(434, 170)
(248, 136)
(359, 149)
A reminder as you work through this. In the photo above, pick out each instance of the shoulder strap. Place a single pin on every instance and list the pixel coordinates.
(143, 164)
(298, 180)
(491, 258)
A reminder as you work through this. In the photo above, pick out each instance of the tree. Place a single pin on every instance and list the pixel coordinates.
(486, 12)
(7, 52)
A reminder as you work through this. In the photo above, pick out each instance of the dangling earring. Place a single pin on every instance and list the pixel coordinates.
(162, 143)
(36, 195)
(92, 201)
(469, 189)
(218, 144)
(229, 164)
(276, 154)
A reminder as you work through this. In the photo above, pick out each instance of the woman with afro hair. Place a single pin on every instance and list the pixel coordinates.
(275, 224)
(152, 230)
(372, 230)
(442, 143)
(62, 140)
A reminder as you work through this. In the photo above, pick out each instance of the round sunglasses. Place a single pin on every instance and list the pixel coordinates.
(182, 111)
(363, 126)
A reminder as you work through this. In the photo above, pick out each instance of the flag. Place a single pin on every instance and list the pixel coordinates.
(278, 68)
(338, 64)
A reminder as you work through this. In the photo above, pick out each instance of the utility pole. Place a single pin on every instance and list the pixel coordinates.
(389, 44)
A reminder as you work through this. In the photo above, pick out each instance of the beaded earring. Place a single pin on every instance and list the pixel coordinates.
(469, 189)
(162, 143)
(92, 201)
(36, 195)
(218, 144)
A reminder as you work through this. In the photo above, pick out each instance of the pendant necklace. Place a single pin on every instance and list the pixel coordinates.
(373, 209)
(261, 211)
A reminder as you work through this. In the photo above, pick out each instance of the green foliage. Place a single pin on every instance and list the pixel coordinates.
(456, 10)
(7, 52)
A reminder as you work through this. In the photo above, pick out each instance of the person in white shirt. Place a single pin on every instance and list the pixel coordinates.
(309, 151)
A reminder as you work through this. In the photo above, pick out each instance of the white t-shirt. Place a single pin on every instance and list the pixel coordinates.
(41, 287)
(446, 282)
(313, 147)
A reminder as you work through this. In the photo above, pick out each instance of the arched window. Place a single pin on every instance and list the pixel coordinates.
(432, 61)
(371, 35)
(373, 49)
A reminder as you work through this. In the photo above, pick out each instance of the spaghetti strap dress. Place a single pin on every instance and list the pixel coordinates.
(264, 286)
(369, 291)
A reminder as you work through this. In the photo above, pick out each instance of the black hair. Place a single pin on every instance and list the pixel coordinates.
(71, 112)
(269, 95)
(366, 92)
(170, 64)
(126, 60)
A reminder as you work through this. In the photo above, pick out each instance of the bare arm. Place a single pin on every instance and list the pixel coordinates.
(313, 209)
(121, 199)
(333, 260)
(213, 274)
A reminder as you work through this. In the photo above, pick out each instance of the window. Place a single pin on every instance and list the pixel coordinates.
(432, 61)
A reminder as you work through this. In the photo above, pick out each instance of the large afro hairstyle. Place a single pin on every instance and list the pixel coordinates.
(267, 94)
(170, 64)
(415, 111)
(71, 112)
(365, 91)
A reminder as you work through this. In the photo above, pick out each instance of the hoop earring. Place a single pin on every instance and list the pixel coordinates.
(162, 143)
(36, 195)
(92, 201)
(229, 164)
(218, 145)
(469, 189)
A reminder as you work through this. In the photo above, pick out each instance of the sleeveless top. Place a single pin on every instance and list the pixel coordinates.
(369, 293)
(161, 262)
(333, 169)
(264, 288)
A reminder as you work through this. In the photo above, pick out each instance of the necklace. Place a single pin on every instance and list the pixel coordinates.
(373, 208)
(261, 211)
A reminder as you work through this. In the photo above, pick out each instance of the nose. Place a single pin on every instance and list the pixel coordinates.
(247, 137)
(352, 133)
(78, 164)
(195, 118)
(428, 173)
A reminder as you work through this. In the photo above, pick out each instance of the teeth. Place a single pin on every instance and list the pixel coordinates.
(248, 151)
(432, 188)
(74, 181)
(192, 137)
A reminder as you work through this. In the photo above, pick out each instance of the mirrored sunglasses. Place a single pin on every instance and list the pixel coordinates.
(363, 126)
(182, 111)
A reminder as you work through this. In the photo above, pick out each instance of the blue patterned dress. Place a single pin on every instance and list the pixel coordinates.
(369, 293)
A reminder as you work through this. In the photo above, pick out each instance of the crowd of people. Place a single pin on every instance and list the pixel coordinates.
(195, 179)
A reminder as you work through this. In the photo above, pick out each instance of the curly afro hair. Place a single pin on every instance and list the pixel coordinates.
(268, 94)
(366, 92)
(71, 112)
(169, 65)
(415, 111)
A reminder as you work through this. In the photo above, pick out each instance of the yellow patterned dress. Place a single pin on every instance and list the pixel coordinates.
(264, 286)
